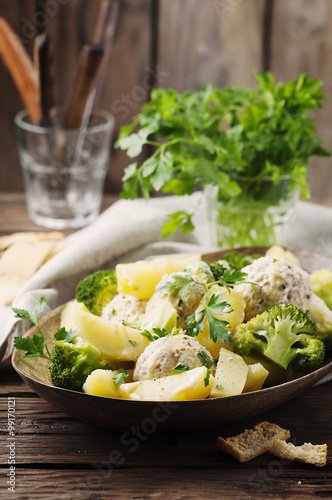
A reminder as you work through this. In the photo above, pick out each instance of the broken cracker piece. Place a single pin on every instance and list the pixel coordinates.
(252, 442)
(10, 239)
(25, 257)
(307, 453)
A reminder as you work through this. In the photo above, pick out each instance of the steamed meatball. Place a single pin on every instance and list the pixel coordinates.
(276, 282)
(121, 306)
(161, 356)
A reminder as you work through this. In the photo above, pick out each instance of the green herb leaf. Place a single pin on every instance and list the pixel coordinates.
(207, 378)
(34, 346)
(205, 359)
(156, 333)
(66, 335)
(180, 369)
(218, 386)
(120, 378)
(178, 220)
(133, 343)
(231, 278)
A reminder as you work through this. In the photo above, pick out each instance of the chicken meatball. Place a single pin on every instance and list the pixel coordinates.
(121, 306)
(276, 282)
(161, 356)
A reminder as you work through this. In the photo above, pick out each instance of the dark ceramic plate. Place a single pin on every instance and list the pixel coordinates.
(120, 415)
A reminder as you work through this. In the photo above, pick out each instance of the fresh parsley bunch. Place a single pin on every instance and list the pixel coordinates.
(220, 137)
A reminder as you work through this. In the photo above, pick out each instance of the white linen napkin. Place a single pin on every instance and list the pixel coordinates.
(130, 230)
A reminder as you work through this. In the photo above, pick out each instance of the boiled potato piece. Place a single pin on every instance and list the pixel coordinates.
(234, 318)
(70, 314)
(256, 377)
(140, 278)
(183, 386)
(101, 383)
(231, 374)
(277, 252)
(276, 374)
(115, 341)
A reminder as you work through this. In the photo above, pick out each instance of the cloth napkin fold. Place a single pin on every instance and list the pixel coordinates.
(130, 230)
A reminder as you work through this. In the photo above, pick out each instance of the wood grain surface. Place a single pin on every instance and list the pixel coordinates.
(58, 457)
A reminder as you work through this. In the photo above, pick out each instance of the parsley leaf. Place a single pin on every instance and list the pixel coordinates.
(205, 359)
(207, 378)
(35, 345)
(180, 368)
(133, 343)
(120, 378)
(156, 333)
(67, 336)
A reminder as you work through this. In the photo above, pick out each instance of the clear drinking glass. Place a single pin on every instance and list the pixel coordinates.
(64, 170)
(260, 215)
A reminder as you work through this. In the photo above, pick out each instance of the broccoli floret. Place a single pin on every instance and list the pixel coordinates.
(71, 364)
(233, 260)
(322, 285)
(321, 315)
(97, 290)
(285, 335)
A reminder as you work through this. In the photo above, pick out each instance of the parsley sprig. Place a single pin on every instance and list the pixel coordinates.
(182, 281)
(35, 346)
(218, 136)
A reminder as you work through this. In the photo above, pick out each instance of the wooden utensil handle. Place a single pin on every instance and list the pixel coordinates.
(20, 66)
(88, 66)
(43, 58)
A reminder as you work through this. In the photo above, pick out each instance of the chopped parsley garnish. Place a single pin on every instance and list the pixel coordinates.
(207, 378)
(214, 306)
(133, 343)
(180, 368)
(205, 359)
(120, 378)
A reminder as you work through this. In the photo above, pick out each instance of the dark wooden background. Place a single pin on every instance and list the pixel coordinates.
(183, 44)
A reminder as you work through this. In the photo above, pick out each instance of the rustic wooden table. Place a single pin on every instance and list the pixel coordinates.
(54, 456)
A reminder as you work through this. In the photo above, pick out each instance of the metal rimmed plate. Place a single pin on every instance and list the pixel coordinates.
(120, 415)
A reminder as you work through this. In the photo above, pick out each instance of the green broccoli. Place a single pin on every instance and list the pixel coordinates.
(322, 285)
(97, 290)
(321, 316)
(72, 363)
(285, 335)
(234, 260)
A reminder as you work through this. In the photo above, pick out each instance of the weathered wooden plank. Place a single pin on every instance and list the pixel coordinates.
(217, 42)
(302, 38)
(238, 482)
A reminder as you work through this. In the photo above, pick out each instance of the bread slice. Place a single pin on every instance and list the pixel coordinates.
(252, 442)
(307, 453)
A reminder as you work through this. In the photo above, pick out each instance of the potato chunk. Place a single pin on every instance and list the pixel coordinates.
(234, 318)
(256, 377)
(115, 341)
(231, 375)
(101, 383)
(140, 278)
(191, 384)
